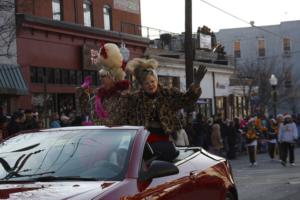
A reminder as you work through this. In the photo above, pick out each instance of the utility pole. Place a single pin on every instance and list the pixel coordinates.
(188, 44)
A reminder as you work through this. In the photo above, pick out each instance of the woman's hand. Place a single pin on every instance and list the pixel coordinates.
(199, 74)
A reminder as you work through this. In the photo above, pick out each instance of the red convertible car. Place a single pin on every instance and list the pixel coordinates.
(94, 162)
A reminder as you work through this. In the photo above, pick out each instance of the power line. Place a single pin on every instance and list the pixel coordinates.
(245, 21)
(224, 11)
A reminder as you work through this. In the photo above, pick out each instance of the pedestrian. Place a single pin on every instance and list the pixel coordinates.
(198, 129)
(16, 123)
(279, 121)
(251, 141)
(156, 107)
(216, 139)
(288, 135)
(30, 122)
(55, 122)
(272, 138)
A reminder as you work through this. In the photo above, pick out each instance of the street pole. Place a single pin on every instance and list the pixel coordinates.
(274, 101)
(188, 47)
(188, 44)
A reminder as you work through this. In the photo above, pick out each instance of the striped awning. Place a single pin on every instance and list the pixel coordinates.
(11, 80)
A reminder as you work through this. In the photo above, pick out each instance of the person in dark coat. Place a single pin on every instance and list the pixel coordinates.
(16, 123)
(30, 122)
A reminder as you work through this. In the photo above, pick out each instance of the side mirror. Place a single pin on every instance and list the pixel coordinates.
(159, 168)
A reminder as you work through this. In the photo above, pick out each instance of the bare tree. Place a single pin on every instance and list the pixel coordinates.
(7, 27)
(254, 79)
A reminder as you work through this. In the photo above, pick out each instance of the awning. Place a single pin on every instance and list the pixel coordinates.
(11, 80)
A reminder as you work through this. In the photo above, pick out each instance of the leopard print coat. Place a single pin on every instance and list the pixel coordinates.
(166, 104)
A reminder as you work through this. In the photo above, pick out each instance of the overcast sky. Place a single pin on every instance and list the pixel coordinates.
(169, 14)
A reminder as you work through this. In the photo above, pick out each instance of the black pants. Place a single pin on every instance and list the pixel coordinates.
(271, 149)
(165, 150)
(287, 149)
(252, 153)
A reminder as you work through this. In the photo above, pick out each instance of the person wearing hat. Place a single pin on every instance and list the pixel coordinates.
(288, 135)
(272, 134)
(156, 107)
(110, 102)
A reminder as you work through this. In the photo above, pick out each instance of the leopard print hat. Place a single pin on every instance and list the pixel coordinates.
(140, 68)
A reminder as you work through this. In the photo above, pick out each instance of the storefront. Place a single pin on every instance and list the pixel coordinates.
(61, 54)
(12, 86)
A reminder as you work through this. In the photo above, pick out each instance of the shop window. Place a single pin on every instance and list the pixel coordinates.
(79, 77)
(57, 78)
(87, 13)
(50, 76)
(33, 74)
(57, 10)
(40, 75)
(237, 49)
(107, 17)
(65, 76)
(261, 47)
(72, 77)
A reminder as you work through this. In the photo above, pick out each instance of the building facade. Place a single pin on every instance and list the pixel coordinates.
(12, 83)
(276, 44)
(58, 42)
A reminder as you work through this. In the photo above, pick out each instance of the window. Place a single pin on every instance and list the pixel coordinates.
(65, 76)
(33, 74)
(50, 76)
(107, 17)
(237, 49)
(57, 10)
(87, 13)
(261, 47)
(79, 77)
(286, 46)
(72, 77)
(57, 76)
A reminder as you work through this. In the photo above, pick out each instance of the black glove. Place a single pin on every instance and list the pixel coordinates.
(199, 74)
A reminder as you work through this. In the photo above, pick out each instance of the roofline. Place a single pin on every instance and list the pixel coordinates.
(21, 18)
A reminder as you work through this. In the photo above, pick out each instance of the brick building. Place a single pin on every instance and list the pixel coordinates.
(57, 41)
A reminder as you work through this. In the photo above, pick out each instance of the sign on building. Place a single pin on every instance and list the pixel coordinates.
(90, 55)
(205, 41)
(132, 6)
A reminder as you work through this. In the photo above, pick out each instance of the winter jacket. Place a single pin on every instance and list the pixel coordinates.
(161, 107)
(216, 139)
(288, 132)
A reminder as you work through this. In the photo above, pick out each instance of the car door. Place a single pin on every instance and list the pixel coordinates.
(173, 187)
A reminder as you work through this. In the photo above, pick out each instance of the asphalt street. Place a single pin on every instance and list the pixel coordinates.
(267, 181)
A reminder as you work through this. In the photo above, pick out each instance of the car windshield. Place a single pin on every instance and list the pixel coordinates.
(100, 154)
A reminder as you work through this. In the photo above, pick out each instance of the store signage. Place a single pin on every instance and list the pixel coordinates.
(132, 6)
(90, 55)
(205, 41)
(220, 85)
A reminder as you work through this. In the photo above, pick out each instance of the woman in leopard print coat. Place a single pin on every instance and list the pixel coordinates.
(156, 107)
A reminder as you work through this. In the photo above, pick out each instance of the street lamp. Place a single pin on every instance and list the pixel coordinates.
(273, 81)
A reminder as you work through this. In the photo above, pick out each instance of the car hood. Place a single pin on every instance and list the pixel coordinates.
(54, 190)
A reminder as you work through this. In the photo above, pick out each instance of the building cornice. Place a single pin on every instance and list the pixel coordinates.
(46, 24)
(180, 64)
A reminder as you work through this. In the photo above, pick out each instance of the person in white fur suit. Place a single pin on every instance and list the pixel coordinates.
(110, 102)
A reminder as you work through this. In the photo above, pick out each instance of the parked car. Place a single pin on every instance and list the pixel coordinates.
(95, 162)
